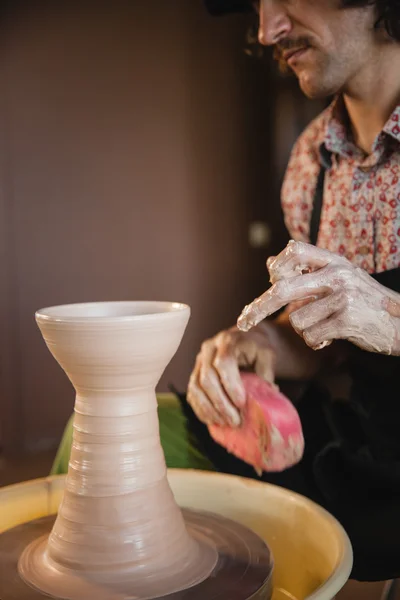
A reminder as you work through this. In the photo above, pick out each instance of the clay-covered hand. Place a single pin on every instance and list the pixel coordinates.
(341, 301)
(215, 390)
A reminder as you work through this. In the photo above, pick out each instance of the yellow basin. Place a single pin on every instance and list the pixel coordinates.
(312, 553)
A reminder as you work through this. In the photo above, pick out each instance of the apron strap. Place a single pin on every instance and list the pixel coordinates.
(317, 206)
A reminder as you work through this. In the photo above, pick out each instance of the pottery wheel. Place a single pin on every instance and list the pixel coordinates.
(243, 570)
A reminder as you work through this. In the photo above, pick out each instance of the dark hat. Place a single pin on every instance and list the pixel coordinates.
(222, 7)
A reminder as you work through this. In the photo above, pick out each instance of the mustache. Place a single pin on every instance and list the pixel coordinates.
(290, 44)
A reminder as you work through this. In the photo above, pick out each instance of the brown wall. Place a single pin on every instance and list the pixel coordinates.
(137, 144)
(123, 176)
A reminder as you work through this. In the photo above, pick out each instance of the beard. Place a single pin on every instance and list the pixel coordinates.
(282, 64)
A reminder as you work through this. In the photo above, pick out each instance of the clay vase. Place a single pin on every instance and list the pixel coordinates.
(119, 532)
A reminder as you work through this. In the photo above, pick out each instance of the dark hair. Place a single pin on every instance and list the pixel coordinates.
(222, 7)
(387, 11)
(387, 14)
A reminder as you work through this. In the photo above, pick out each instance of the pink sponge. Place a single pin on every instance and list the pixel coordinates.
(270, 437)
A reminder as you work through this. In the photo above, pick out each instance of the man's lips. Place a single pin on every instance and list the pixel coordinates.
(291, 56)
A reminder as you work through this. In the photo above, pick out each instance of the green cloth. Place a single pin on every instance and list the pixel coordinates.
(179, 448)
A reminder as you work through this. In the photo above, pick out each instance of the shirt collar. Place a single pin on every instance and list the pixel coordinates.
(392, 127)
(338, 138)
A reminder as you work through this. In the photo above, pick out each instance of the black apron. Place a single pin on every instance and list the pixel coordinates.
(351, 464)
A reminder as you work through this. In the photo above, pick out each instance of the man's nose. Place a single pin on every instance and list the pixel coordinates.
(275, 23)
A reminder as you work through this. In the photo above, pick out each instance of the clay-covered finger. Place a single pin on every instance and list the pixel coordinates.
(317, 311)
(211, 385)
(284, 292)
(298, 258)
(270, 261)
(200, 404)
(227, 367)
(265, 365)
(320, 335)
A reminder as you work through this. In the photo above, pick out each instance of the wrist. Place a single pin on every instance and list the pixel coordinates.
(294, 360)
(396, 341)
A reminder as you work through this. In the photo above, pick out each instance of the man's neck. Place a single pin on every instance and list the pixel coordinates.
(372, 96)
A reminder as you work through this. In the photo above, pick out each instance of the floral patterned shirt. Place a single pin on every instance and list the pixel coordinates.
(360, 216)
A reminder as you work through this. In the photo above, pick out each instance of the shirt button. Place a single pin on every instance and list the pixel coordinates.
(364, 250)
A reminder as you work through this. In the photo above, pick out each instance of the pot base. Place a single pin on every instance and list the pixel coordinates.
(243, 571)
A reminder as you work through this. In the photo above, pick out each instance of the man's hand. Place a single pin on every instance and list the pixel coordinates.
(215, 390)
(343, 301)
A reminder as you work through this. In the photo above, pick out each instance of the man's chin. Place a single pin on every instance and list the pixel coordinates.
(310, 83)
(312, 87)
(313, 94)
